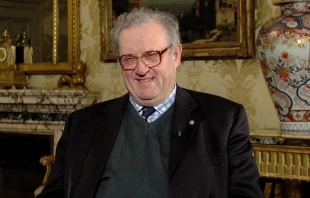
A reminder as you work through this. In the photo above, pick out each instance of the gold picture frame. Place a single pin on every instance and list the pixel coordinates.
(230, 36)
(72, 43)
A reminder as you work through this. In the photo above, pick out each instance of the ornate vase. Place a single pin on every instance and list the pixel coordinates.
(283, 46)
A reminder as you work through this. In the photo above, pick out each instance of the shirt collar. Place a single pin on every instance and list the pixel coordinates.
(161, 108)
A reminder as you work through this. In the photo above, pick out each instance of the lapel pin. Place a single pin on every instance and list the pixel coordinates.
(192, 122)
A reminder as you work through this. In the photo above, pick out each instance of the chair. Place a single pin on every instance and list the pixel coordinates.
(46, 161)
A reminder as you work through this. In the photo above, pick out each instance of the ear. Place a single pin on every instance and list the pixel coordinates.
(177, 54)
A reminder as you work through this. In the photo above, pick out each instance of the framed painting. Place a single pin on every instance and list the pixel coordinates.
(210, 29)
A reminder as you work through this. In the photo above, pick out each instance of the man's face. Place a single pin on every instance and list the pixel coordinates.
(149, 86)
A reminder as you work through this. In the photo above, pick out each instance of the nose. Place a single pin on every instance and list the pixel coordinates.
(141, 68)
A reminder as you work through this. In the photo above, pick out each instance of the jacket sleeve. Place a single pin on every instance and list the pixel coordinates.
(243, 171)
(55, 186)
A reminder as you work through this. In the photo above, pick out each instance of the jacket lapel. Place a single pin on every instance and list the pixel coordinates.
(185, 125)
(103, 133)
(106, 131)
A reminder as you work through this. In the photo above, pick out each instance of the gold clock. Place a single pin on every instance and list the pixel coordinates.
(3, 54)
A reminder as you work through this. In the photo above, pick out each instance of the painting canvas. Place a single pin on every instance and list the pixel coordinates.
(210, 29)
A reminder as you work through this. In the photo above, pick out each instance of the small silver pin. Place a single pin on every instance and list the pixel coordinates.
(179, 133)
(192, 122)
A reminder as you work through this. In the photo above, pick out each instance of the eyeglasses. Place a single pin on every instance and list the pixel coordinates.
(149, 59)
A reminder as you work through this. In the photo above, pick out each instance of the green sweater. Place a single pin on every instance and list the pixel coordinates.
(138, 163)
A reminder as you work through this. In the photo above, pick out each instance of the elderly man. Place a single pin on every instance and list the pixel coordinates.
(159, 140)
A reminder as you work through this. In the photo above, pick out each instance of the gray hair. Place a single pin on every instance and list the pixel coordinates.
(139, 16)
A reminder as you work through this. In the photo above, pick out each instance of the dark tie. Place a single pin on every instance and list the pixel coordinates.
(147, 111)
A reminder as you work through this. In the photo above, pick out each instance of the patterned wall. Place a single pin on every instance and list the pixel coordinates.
(237, 79)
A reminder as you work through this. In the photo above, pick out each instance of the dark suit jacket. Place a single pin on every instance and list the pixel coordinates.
(210, 158)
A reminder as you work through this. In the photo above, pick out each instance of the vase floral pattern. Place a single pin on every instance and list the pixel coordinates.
(283, 45)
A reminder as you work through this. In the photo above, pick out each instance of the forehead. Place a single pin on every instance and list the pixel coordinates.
(144, 37)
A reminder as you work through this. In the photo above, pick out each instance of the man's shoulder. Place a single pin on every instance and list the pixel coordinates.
(101, 106)
(208, 99)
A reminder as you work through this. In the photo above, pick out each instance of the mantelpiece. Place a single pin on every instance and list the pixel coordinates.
(41, 111)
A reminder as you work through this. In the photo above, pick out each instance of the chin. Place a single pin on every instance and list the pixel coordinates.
(146, 97)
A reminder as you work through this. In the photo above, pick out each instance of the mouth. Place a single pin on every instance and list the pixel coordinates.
(145, 80)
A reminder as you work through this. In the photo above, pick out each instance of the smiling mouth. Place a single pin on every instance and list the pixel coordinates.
(145, 80)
